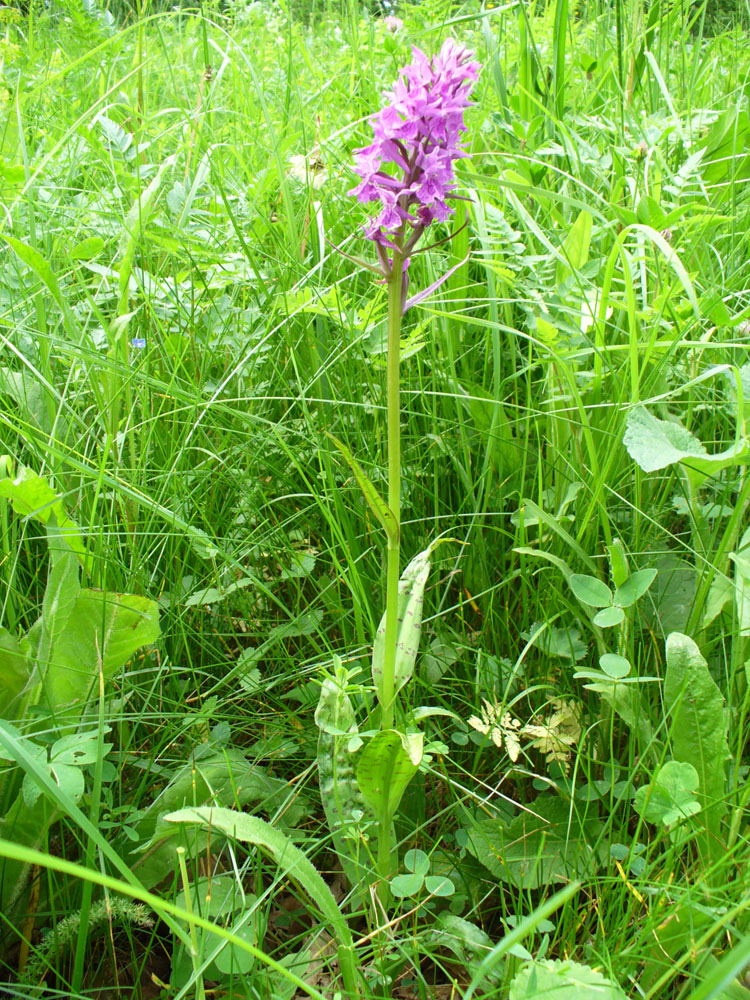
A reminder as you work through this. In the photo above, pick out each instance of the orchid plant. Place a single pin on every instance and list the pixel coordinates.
(409, 171)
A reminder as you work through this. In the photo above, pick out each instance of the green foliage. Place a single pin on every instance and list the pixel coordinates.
(385, 767)
(656, 444)
(670, 797)
(416, 879)
(546, 843)
(189, 367)
(410, 601)
(562, 981)
(340, 793)
(699, 730)
(252, 830)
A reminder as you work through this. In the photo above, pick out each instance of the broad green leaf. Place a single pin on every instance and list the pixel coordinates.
(439, 885)
(335, 713)
(678, 935)
(13, 173)
(440, 656)
(342, 800)
(410, 600)
(547, 844)
(725, 147)
(405, 886)
(618, 561)
(577, 245)
(32, 496)
(625, 700)
(461, 936)
(590, 590)
(232, 960)
(565, 642)
(66, 758)
(741, 560)
(386, 765)
(78, 749)
(656, 444)
(101, 630)
(30, 791)
(221, 898)
(118, 139)
(69, 778)
(672, 594)
(721, 592)
(224, 777)
(634, 587)
(721, 978)
(296, 866)
(699, 730)
(40, 266)
(609, 617)
(650, 212)
(416, 861)
(60, 597)
(469, 943)
(614, 666)
(671, 796)
(31, 393)
(375, 502)
(14, 668)
(87, 249)
(562, 980)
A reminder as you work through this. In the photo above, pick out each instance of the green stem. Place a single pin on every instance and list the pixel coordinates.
(395, 283)
(394, 488)
(385, 867)
(195, 957)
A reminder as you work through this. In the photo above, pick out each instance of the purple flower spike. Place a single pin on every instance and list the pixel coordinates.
(418, 136)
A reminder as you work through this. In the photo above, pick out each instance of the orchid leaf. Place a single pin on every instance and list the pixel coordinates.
(410, 599)
(375, 502)
(386, 765)
(427, 292)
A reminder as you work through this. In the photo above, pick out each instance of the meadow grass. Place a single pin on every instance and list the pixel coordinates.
(179, 333)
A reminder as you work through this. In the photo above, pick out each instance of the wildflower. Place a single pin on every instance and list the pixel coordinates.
(393, 24)
(417, 136)
(138, 343)
(556, 734)
(502, 729)
(309, 169)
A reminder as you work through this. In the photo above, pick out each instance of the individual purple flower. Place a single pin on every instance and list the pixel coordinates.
(393, 24)
(409, 166)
